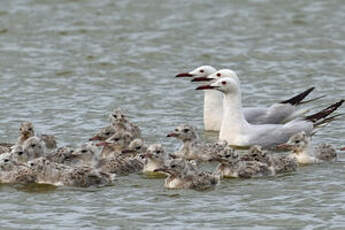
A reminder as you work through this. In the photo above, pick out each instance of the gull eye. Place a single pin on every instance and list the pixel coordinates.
(227, 156)
(83, 151)
(32, 164)
(6, 160)
(158, 152)
(201, 71)
(115, 116)
(20, 153)
(138, 147)
(116, 139)
(173, 166)
(186, 130)
(297, 141)
(219, 74)
(33, 145)
(223, 82)
(107, 133)
(176, 130)
(30, 129)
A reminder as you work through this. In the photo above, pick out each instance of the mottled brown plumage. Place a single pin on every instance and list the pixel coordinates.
(120, 123)
(103, 134)
(193, 148)
(183, 175)
(59, 174)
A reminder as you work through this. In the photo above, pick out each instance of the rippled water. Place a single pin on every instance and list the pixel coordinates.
(65, 64)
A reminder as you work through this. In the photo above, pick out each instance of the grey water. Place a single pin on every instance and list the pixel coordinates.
(65, 64)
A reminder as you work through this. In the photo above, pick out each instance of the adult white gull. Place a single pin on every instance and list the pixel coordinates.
(236, 130)
(277, 113)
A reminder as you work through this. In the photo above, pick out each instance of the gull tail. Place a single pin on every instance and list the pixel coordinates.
(313, 99)
(327, 120)
(296, 100)
(316, 118)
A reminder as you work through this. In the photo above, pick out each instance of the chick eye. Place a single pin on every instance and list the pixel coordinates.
(173, 166)
(139, 147)
(176, 130)
(20, 153)
(32, 164)
(201, 71)
(116, 139)
(219, 74)
(227, 156)
(33, 145)
(223, 82)
(158, 152)
(186, 130)
(297, 141)
(6, 160)
(30, 129)
(107, 134)
(115, 116)
(84, 151)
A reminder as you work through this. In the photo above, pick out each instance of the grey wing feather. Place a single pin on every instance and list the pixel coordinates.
(270, 135)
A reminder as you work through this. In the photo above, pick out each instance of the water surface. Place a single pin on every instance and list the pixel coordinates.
(66, 64)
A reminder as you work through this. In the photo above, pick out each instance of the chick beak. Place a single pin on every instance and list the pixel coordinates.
(172, 135)
(102, 144)
(95, 138)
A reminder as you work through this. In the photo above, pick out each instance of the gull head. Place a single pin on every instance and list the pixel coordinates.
(227, 85)
(34, 147)
(227, 155)
(184, 132)
(39, 164)
(19, 154)
(103, 134)
(118, 116)
(26, 129)
(86, 152)
(297, 143)
(136, 146)
(119, 139)
(7, 164)
(224, 73)
(202, 71)
(174, 167)
(155, 151)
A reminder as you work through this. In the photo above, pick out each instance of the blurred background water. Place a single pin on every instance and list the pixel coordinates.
(65, 64)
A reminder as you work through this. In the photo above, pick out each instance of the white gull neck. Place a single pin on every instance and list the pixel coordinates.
(213, 110)
(234, 125)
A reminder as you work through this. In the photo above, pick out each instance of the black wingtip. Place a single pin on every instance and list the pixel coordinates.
(324, 113)
(299, 98)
